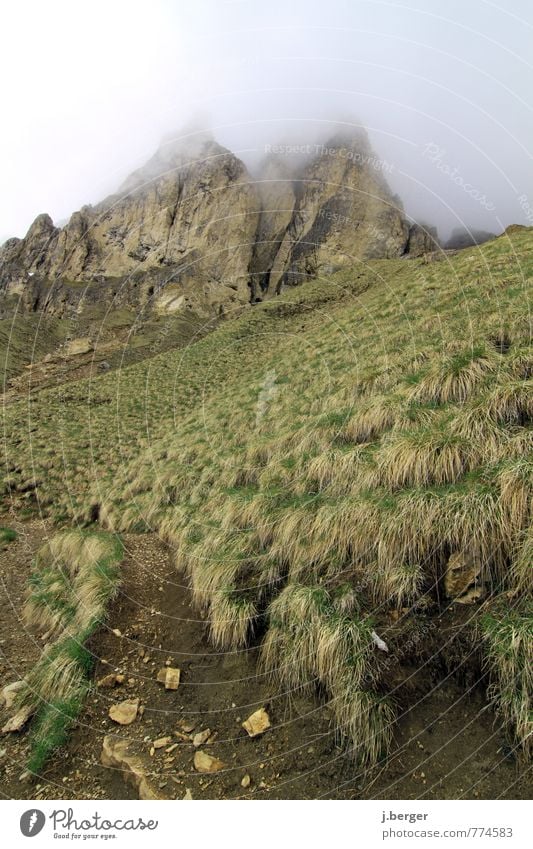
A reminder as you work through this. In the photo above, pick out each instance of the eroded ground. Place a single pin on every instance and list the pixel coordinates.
(448, 745)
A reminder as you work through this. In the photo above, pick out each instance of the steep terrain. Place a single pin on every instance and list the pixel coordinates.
(342, 476)
(193, 234)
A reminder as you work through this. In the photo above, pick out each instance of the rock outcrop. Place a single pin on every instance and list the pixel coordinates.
(192, 230)
(192, 211)
(342, 211)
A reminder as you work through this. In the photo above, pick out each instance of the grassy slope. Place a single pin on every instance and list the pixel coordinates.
(27, 338)
(317, 462)
(75, 577)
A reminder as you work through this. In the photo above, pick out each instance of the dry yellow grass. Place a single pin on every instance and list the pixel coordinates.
(396, 430)
(74, 579)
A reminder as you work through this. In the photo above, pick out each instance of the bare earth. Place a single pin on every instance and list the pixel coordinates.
(447, 746)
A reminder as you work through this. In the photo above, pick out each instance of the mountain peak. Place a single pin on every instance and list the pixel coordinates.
(174, 153)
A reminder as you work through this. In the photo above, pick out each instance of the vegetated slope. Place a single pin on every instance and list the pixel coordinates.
(192, 232)
(340, 463)
(25, 338)
(75, 577)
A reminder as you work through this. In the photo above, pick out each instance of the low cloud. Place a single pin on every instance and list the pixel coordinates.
(444, 93)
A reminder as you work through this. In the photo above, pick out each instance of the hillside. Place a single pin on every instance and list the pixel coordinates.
(347, 464)
(195, 236)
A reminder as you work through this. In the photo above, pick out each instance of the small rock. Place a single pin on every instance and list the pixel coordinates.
(116, 754)
(74, 347)
(17, 722)
(117, 632)
(107, 681)
(188, 794)
(245, 780)
(201, 737)
(381, 644)
(206, 763)
(9, 693)
(170, 677)
(125, 712)
(186, 725)
(161, 742)
(257, 723)
(185, 737)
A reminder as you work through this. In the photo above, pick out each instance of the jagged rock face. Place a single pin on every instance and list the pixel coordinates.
(194, 212)
(343, 212)
(422, 240)
(194, 223)
(278, 199)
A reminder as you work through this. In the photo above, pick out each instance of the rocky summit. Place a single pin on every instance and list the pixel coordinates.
(194, 231)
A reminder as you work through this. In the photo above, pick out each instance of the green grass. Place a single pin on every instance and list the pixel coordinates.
(75, 577)
(508, 635)
(359, 429)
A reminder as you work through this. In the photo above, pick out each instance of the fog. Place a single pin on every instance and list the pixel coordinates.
(444, 90)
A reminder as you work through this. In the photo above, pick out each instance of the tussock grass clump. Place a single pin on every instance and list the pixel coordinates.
(295, 450)
(75, 577)
(422, 457)
(511, 403)
(377, 414)
(454, 377)
(522, 568)
(508, 637)
(311, 641)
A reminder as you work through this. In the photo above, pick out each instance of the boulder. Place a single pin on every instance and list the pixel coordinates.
(461, 575)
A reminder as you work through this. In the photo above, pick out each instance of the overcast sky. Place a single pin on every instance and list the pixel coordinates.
(444, 89)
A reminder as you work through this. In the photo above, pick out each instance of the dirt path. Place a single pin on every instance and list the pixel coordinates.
(447, 746)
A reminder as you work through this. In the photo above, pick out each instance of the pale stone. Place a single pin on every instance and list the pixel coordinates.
(17, 722)
(207, 763)
(201, 737)
(9, 693)
(116, 753)
(257, 723)
(170, 677)
(124, 713)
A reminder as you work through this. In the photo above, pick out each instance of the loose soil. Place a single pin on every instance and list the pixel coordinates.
(448, 744)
